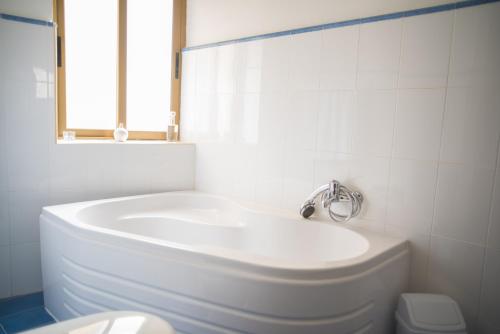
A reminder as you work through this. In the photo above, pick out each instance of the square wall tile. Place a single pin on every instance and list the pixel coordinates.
(339, 54)
(455, 269)
(379, 54)
(475, 48)
(206, 69)
(272, 126)
(494, 232)
(5, 274)
(301, 120)
(373, 123)
(490, 307)
(425, 52)
(26, 268)
(463, 202)
(188, 83)
(249, 67)
(305, 61)
(298, 178)
(331, 166)
(335, 121)
(270, 168)
(471, 126)
(4, 218)
(25, 208)
(410, 202)
(24, 44)
(103, 171)
(173, 167)
(419, 118)
(69, 166)
(27, 160)
(370, 176)
(276, 64)
(419, 255)
(226, 69)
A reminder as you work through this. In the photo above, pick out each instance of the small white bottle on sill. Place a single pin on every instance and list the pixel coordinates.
(121, 134)
(172, 128)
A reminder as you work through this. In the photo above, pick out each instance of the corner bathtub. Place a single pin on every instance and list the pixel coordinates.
(209, 265)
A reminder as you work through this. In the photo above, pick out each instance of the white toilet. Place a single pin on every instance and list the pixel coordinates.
(421, 313)
(109, 323)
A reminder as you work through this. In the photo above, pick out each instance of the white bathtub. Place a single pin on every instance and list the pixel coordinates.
(210, 265)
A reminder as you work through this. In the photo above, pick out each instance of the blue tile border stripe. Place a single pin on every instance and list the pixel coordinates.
(391, 16)
(28, 20)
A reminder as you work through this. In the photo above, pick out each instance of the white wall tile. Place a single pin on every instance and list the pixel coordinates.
(68, 167)
(188, 83)
(272, 126)
(172, 167)
(379, 54)
(206, 68)
(494, 232)
(26, 268)
(331, 166)
(301, 120)
(475, 48)
(455, 269)
(244, 161)
(5, 273)
(419, 118)
(25, 208)
(419, 255)
(373, 123)
(226, 69)
(249, 67)
(103, 171)
(463, 202)
(426, 50)
(4, 218)
(27, 160)
(335, 121)
(339, 58)
(305, 61)
(27, 53)
(471, 126)
(410, 201)
(370, 176)
(275, 64)
(298, 178)
(489, 307)
(270, 168)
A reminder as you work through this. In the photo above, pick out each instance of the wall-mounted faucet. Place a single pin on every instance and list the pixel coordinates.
(329, 193)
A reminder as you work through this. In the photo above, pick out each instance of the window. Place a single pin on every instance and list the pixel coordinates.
(118, 62)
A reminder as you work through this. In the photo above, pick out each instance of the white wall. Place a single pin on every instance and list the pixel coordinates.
(35, 9)
(219, 20)
(407, 111)
(34, 171)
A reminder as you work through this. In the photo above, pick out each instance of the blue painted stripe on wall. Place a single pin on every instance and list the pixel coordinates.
(26, 20)
(390, 16)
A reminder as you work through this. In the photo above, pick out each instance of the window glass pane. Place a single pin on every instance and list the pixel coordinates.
(91, 28)
(149, 50)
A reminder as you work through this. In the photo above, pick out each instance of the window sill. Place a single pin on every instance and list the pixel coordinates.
(113, 142)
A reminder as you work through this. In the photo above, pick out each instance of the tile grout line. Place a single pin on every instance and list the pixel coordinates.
(394, 117)
(490, 216)
(439, 161)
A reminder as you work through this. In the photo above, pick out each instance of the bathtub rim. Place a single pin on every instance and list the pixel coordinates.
(381, 247)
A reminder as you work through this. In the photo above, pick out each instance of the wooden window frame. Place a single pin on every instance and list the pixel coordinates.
(178, 43)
